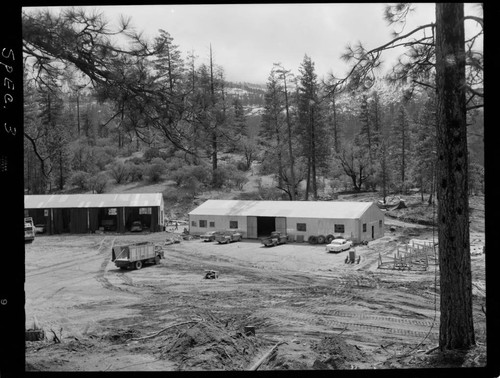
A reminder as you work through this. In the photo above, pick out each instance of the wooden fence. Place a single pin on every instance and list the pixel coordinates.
(416, 257)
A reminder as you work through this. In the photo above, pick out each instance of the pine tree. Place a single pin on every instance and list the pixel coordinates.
(424, 142)
(293, 182)
(365, 133)
(401, 145)
(376, 115)
(239, 119)
(311, 125)
(169, 63)
(273, 123)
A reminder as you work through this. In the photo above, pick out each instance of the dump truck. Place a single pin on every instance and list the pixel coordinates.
(29, 230)
(136, 255)
(275, 238)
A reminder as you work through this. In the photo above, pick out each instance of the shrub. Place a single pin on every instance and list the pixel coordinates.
(119, 172)
(191, 184)
(101, 157)
(242, 166)
(270, 193)
(155, 170)
(80, 179)
(136, 171)
(238, 179)
(219, 177)
(98, 182)
(153, 153)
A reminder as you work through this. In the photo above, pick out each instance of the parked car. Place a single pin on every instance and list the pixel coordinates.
(228, 237)
(339, 245)
(136, 226)
(40, 228)
(29, 230)
(275, 238)
(209, 236)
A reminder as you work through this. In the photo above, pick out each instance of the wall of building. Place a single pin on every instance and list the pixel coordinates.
(216, 223)
(321, 226)
(352, 229)
(373, 217)
(84, 220)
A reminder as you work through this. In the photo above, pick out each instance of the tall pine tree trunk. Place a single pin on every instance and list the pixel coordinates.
(313, 157)
(456, 322)
(290, 151)
(308, 182)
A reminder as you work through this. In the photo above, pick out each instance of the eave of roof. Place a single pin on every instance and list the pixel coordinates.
(296, 209)
(52, 201)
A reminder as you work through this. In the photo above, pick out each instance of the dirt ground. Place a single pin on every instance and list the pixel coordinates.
(325, 314)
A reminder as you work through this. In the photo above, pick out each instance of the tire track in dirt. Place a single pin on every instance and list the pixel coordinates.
(234, 265)
(100, 276)
(69, 263)
(285, 318)
(389, 319)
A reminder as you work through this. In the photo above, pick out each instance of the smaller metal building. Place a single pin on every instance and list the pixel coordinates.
(356, 221)
(87, 213)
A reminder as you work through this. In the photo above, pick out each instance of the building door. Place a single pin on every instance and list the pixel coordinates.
(373, 232)
(281, 224)
(252, 227)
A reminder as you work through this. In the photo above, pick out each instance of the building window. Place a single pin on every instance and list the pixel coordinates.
(203, 223)
(112, 211)
(301, 227)
(233, 224)
(364, 227)
(193, 223)
(144, 210)
(380, 223)
(212, 224)
(339, 228)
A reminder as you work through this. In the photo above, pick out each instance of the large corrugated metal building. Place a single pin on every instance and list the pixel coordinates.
(357, 221)
(87, 213)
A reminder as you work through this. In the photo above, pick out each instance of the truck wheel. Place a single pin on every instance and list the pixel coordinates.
(138, 264)
(321, 239)
(313, 239)
(329, 238)
(157, 260)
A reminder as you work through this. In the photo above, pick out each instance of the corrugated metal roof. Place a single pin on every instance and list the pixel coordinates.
(51, 201)
(295, 209)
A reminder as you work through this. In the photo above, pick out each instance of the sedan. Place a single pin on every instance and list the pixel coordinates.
(339, 245)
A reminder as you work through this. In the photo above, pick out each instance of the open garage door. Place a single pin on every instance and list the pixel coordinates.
(265, 225)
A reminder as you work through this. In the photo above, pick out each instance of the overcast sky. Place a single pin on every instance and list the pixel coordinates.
(247, 39)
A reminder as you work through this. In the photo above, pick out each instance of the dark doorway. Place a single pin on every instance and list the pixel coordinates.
(373, 232)
(66, 220)
(265, 225)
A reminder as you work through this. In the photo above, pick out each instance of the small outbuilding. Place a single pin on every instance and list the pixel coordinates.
(88, 213)
(356, 221)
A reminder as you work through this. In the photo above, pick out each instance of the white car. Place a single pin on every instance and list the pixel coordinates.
(339, 245)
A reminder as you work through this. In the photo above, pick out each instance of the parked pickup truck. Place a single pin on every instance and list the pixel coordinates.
(228, 237)
(209, 236)
(136, 255)
(274, 239)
